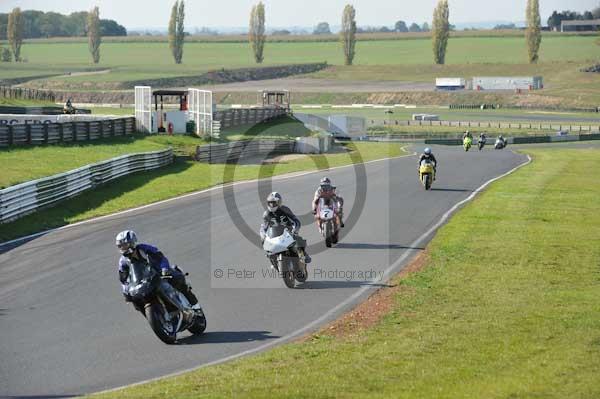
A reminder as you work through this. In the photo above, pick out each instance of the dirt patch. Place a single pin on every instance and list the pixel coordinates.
(311, 85)
(230, 75)
(369, 312)
(284, 158)
(83, 73)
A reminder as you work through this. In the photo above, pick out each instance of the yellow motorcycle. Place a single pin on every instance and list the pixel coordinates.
(426, 173)
(467, 143)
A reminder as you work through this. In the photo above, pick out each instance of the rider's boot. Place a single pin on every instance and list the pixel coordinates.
(304, 255)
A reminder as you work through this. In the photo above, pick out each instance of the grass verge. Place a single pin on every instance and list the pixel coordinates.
(23, 163)
(512, 313)
(179, 178)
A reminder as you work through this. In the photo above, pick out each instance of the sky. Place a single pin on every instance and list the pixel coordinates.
(283, 13)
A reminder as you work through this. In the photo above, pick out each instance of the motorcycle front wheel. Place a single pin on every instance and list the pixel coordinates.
(300, 271)
(199, 323)
(163, 329)
(427, 181)
(286, 267)
(328, 234)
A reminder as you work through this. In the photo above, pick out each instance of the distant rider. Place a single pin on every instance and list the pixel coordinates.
(329, 191)
(482, 138)
(428, 155)
(68, 108)
(280, 214)
(130, 250)
(502, 140)
(467, 134)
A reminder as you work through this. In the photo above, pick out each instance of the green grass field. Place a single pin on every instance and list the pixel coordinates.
(179, 178)
(446, 114)
(140, 60)
(507, 306)
(24, 163)
(21, 164)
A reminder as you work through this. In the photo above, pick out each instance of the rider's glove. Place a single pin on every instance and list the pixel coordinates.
(166, 273)
(314, 211)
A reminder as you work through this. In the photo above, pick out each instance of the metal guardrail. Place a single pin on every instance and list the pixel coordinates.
(51, 133)
(28, 197)
(29, 110)
(232, 152)
(245, 116)
(26, 94)
(486, 124)
(525, 139)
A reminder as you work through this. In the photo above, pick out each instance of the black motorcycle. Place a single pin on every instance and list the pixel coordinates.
(167, 310)
(481, 144)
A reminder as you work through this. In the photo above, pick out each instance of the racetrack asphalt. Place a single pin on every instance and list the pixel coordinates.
(65, 329)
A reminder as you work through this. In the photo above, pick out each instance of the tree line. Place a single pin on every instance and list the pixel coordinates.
(38, 24)
(440, 32)
(323, 28)
(16, 27)
(556, 18)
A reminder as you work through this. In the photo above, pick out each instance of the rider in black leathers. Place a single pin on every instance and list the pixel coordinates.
(280, 214)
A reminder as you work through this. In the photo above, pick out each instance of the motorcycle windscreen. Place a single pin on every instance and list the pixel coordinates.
(139, 279)
(275, 231)
(325, 203)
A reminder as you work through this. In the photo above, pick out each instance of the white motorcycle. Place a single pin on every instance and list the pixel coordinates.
(328, 221)
(280, 246)
(500, 144)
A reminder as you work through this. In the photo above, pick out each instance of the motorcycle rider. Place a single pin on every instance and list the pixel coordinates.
(328, 191)
(482, 137)
(130, 250)
(428, 155)
(280, 214)
(502, 140)
(467, 134)
(68, 107)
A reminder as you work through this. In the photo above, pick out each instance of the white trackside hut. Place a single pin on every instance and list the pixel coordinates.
(193, 112)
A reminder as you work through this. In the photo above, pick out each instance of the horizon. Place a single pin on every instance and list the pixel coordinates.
(233, 14)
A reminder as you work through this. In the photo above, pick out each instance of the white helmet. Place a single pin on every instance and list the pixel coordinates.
(325, 184)
(274, 201)
(126, 241)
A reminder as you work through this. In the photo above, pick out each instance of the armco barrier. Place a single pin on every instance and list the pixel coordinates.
(26, 94)
(21, 199)
(232, 152)
(531, 140)
(444, 141)
(526, 139)
(51, 133)
(28, 110)
(245, 116)
(585, 137)
(486, 124)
